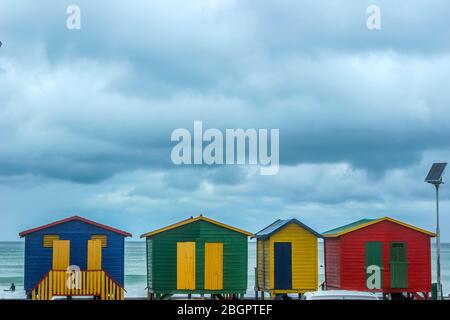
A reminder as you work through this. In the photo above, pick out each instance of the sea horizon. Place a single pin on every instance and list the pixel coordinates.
(12, 260)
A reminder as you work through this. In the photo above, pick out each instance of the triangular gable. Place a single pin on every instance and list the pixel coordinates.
(75, 218)
(191, 220)
(280, 224)
(368, 222)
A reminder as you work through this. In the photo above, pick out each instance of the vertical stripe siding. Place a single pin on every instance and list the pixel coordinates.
(263, 264)
(61, 254)
(260, 263)
(267, 267)
(186, 265)
(214, 266)
(332, 263)
(94, 255)
(100, 284)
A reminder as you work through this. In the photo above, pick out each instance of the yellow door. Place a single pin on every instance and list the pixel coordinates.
(61, 254)
(186, 265)
(94, 255)
(214, 266)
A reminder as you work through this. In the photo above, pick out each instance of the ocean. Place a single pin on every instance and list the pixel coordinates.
(12, 256)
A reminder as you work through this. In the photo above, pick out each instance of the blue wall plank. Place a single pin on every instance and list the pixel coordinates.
(38, 260)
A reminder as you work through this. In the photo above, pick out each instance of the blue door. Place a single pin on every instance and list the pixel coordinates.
(282, 265)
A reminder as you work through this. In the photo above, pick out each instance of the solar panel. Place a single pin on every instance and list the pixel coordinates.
(435, 174)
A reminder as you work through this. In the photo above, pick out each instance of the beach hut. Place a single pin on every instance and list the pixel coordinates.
(380, 255)
(74, 257)
(286, 258)
(197, 256)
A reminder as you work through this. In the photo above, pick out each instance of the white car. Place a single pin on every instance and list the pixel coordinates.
(73, 298)
(339, 295)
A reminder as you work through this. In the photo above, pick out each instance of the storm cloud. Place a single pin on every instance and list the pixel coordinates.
(86, 115)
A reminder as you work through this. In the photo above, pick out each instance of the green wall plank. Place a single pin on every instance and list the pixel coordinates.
(162, 258)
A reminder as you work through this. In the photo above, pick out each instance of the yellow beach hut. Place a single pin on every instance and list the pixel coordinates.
(286, 258)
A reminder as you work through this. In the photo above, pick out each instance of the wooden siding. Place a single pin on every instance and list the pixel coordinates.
(102, 238)
(353, 276)
(38, 259)
(48, 240)
(61, 255)
(304, 257)
(83, 283)
(260, 264)
(332, 263)
(186, 265)
(164, 252)
(267, 268)
(94, 255)
(214, 266)
(263, 264)
(149, 254)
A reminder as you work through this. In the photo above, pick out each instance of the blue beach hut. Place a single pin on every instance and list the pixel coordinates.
(74, 257)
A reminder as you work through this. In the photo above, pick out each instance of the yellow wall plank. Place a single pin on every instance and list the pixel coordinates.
(61, 254)
(186, 265)
(304, 257)
(103, 285)
(48, 240)
(50, 285)
(102, 238)
(214, 266)
(94, 255)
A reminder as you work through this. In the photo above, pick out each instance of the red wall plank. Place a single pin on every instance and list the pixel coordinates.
(352, 256)
(332, 264)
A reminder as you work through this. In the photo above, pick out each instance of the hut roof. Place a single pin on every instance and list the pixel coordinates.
(368, 222)
(279, 224)
(191, 220)
(73, 218)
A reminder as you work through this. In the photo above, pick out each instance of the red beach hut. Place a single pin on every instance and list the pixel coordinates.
(379, 255)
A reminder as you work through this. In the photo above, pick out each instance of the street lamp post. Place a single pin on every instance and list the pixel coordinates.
(435, 177)
(438, 246)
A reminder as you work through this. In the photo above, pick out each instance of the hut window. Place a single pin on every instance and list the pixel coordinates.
(398, 244)
(48, 240)
(101, 237)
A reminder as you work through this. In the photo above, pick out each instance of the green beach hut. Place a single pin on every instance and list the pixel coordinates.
(197, 256)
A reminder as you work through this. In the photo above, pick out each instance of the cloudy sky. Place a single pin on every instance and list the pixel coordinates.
(86, 115)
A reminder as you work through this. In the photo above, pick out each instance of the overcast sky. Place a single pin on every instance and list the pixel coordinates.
(86, 115)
